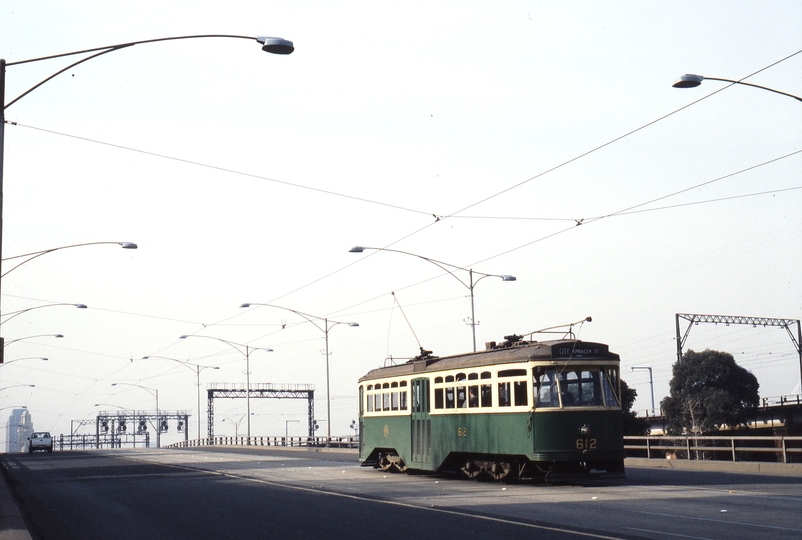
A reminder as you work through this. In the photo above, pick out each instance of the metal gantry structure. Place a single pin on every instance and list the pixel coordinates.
(695, 318)
(262, 390)
(112, 428)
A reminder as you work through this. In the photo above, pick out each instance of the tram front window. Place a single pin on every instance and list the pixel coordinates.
(574, 387)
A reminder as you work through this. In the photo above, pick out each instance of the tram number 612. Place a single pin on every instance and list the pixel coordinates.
(586, 444)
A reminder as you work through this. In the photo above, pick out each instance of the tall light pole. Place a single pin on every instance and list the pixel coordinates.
(327, 325)
(689, 80)
(273, 45)
(446, 266)
(155, 392)
(247, 353)
(651, 382)
(197, 368)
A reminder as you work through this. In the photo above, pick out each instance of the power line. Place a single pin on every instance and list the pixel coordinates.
(223, 169)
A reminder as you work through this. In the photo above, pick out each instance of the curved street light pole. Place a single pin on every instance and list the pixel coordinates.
(26, 358)
(325, 329)
(4, 343)
(17, 385)
(273, 45)
(21, 311)
(689, 80)
(247, 354)
(9, 342)
(445, 266)
(35, 254)
(155, 392)
(198, 368)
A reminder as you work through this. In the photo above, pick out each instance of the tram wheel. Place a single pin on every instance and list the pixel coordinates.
(391, 463)
(500, 469)
(471, 469)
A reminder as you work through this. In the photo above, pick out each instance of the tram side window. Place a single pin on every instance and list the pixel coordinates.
(521, 397)
(513, 392)
(473, 390)
(462, 395)
(386, 397)
(504, 394)
(394, 397)
(438, 394)
(370, 399)
(450, 397)
(402, 396)
(450, 402)
(487, 390)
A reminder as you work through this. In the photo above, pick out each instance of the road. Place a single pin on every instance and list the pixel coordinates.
(225, 493)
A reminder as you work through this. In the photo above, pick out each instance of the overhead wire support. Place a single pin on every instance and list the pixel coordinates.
(695, 318)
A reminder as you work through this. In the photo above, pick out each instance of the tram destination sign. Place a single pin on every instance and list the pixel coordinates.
(578, 349)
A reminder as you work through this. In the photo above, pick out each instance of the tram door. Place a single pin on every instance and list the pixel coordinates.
(421, 423)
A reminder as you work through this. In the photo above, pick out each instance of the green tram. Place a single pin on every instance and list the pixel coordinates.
(520, 409)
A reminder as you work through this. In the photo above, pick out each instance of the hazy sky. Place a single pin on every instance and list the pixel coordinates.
(474, 133)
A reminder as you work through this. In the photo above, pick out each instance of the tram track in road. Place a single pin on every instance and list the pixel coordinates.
(543, 527)
(541, 505)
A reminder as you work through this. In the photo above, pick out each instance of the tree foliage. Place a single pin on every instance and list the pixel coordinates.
(708, 391)
(632, 424)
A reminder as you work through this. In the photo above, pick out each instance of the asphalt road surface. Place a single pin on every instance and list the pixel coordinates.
(227, 493)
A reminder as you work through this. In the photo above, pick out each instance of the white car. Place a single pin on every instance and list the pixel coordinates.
(40, 440)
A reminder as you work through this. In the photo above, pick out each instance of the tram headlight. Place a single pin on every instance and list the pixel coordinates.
(586, 431)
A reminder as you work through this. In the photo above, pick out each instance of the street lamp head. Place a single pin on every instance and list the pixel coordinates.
(245, 305)
(58, 335)
(688, 80)
(275, 45)
(185, 336)
(353, 324)
(508, 278)
(128, 245)
(80, 306)
(356, 249)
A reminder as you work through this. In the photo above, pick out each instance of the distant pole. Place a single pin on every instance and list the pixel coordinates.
(651, 382)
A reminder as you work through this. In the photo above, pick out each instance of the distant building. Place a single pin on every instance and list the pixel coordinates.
(18, 428)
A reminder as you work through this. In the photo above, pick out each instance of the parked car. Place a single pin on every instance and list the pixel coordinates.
(41, 440)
